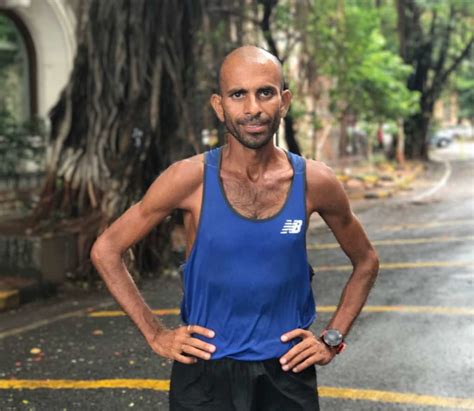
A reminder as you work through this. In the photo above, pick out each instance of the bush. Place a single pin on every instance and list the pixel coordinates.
(20, 143)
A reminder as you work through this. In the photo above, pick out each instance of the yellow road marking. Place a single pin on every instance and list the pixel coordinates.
(396, 397)
(395, 266)
(427, 225)
(414, 309)
(400, 241)
(330, 392)
(331, 308)
(48, 321)
(166, 311)
(148, 384)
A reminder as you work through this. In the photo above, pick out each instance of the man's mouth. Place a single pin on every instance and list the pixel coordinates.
(254, 128)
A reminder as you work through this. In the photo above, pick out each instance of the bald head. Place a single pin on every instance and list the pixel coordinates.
(244, 56)
(252, 98)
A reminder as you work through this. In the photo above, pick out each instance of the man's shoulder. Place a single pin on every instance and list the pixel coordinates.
(177, 183)
(188, 171)
(319, 174)
(193, 162)
(325, 191)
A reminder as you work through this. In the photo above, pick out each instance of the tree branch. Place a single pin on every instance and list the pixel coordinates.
(433, 23)
(438, 67)
(268, 6)
(457, 61)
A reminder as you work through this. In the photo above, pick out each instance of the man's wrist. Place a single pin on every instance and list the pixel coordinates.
(150, 325)
(334, 340)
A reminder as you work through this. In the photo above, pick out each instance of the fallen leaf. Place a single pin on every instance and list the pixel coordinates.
(35, 350)
(97, 332)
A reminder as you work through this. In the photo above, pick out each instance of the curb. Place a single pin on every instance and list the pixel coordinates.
(12, 296)
(386, 193)
(9, 299)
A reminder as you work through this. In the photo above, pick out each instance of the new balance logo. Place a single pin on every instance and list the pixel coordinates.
(291, 227)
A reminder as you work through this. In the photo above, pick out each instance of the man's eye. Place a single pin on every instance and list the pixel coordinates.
(237, 94)
(266, 93)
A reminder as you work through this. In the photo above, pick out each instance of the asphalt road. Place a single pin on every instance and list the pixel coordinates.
(410, 349)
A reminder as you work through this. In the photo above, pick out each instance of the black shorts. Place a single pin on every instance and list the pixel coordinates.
(226, 384)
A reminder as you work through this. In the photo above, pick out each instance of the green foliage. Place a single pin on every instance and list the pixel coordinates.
(20, 142)
(464, 85)
(10, 46)
(7, 29)
(369, 79)
(381, 79)
(283, 17)
(12, 70)
(388, 24)
(298, 105)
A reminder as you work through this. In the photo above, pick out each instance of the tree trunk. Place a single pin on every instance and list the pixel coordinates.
(400, 148)
(416, 129)
(343, 137)
(290, 136)
(123, 117)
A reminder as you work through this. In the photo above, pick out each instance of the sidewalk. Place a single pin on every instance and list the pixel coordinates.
(378, 181)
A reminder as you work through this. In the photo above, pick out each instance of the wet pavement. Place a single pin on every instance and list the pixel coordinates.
(411, 348)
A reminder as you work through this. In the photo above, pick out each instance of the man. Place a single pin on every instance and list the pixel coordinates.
(248, 302)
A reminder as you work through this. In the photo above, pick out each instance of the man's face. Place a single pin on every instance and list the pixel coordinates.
(251, 103)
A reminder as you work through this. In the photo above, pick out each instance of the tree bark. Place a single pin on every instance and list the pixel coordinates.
(123, 117)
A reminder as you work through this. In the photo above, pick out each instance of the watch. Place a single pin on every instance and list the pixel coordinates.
(334, 339)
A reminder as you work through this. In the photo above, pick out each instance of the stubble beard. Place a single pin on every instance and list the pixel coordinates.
(253, 143)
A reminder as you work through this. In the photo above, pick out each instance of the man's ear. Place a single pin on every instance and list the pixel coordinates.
(216, 103)
(286, 100)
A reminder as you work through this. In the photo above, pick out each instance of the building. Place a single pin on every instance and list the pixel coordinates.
(45, 36)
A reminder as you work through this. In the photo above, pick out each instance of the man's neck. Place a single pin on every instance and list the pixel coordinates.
(253, 163)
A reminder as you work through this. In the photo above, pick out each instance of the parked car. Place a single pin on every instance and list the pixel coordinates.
(462, 131)
(445, 136)
(441, 138)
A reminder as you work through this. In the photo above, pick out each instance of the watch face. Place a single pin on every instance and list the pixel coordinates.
(333, 338)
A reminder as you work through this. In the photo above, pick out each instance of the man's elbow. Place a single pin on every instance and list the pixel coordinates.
(95, 253)
(374, 262)
(98, 250)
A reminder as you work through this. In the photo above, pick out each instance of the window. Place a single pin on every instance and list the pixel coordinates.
(15, 92)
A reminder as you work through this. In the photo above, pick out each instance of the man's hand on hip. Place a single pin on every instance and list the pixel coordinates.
(311, 350)
(173, 344)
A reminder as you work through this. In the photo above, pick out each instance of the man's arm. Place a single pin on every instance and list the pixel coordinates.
(327, 197)
(332, 204)
(169, 191)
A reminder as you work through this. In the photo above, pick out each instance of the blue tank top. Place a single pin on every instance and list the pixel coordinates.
(248, 279)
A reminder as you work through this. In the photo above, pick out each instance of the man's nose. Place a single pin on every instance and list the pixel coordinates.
(252, 106)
